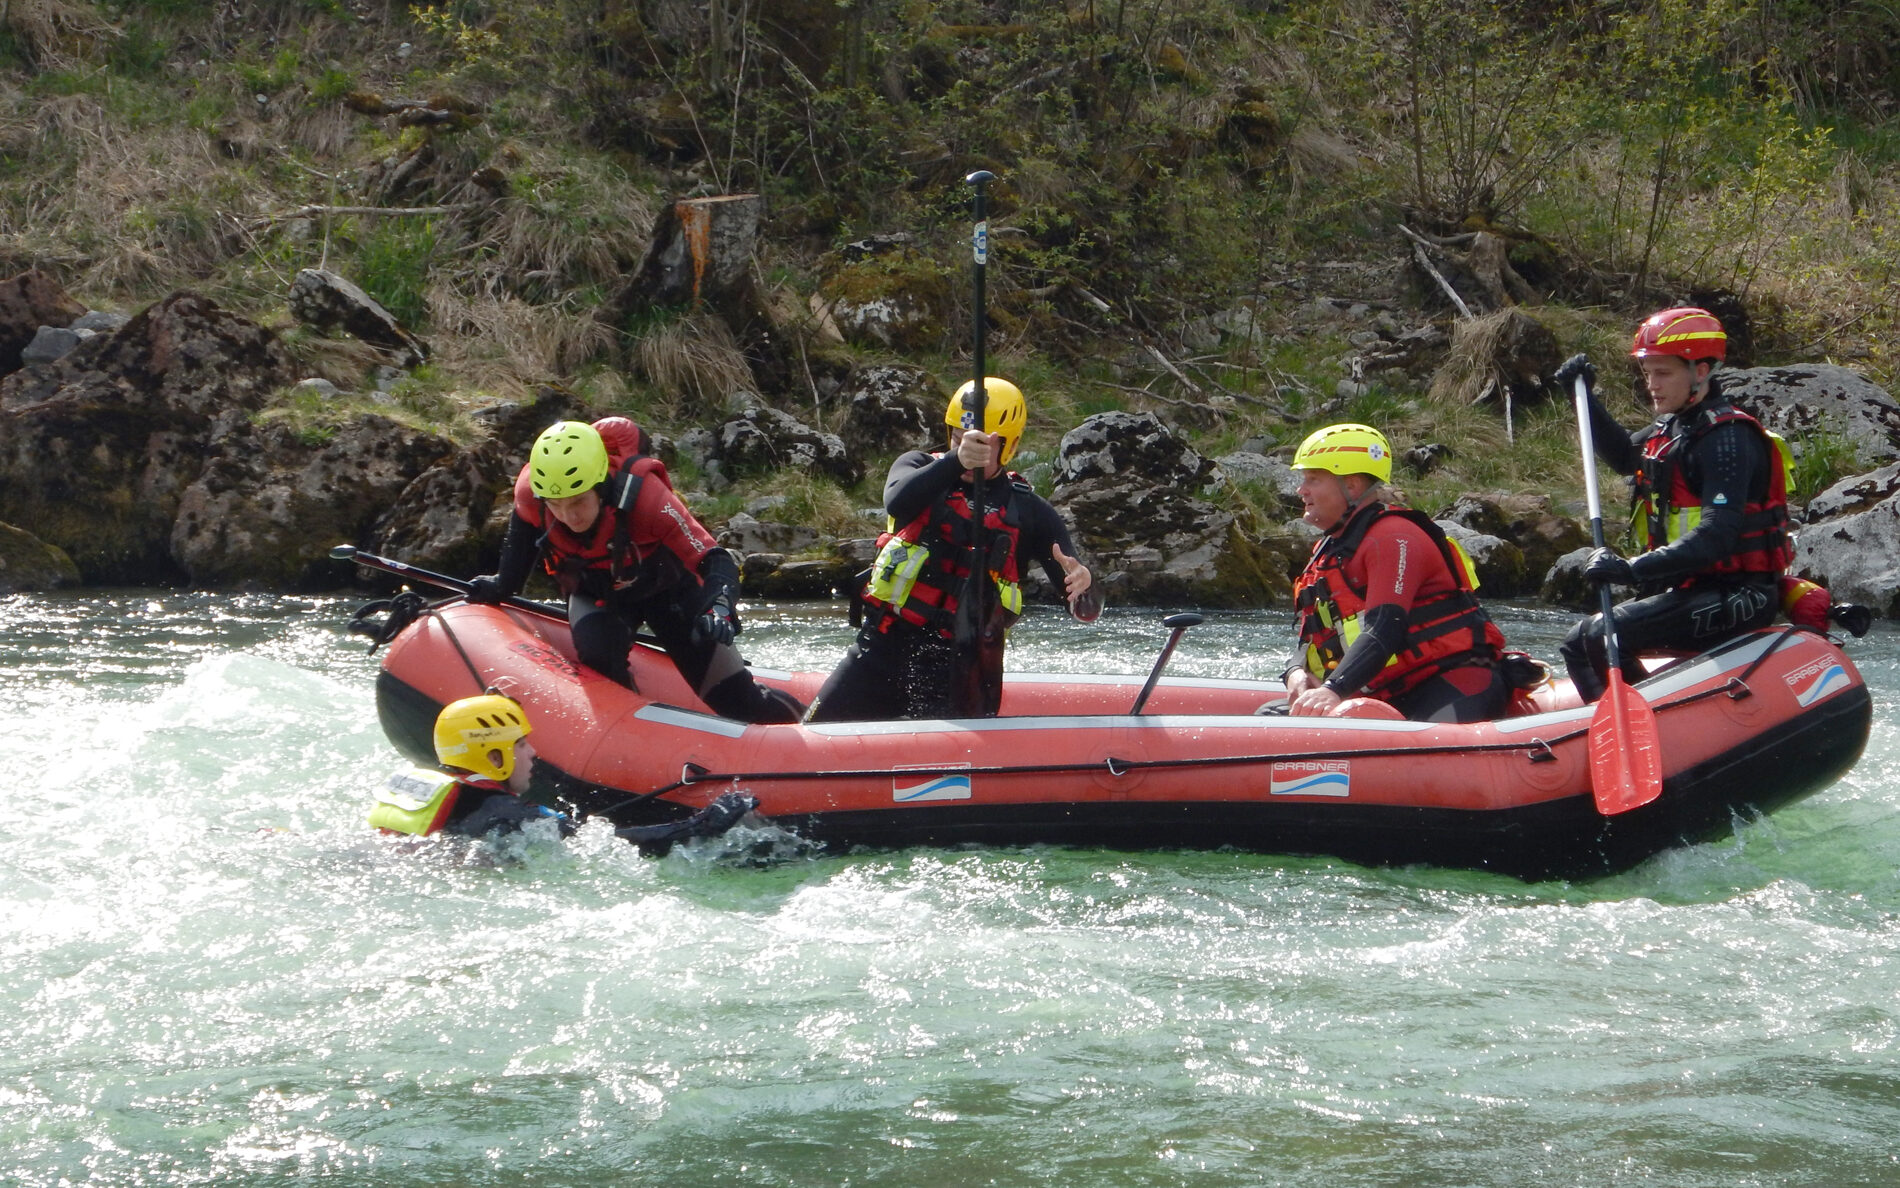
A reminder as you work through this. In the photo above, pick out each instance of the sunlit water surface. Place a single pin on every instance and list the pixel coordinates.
(213, 972)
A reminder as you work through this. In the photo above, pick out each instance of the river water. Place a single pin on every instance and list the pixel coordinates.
(213, 972)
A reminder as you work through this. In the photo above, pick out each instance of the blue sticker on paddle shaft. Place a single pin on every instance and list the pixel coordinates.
(1316, 778)
(983, 242)
(943, 787)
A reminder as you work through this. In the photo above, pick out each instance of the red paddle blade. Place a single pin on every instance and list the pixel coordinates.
(1625, 752)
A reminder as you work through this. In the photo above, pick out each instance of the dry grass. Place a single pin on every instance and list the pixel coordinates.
(694, 362)
(507, 345)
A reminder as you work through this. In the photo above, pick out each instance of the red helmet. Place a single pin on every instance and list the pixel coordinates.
(1686, 332)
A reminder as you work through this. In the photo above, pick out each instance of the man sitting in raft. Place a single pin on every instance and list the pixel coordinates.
(905, 662)
(1711, 513)
(624, 549)
(487, 766)
(1386, 605)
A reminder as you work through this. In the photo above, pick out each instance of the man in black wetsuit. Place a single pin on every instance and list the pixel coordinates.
(904, 662)
(1711, 515)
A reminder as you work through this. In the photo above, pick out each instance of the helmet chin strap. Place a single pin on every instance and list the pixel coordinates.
(1352, 504)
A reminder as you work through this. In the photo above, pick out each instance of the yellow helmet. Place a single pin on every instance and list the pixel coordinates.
(569, 457)
(1004, 411)
(1346, 449)
(466, 731)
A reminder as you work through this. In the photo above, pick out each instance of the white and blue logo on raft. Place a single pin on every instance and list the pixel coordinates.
(939, 787)
(1812, 682)
(1313, 778)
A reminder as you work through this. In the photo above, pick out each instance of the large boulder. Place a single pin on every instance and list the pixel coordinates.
(267, 509)
(890, 408)
(1127, 484)
(1539, 533)
(1851, 541)
(27, 302)
(97, 449)
(452, 516)
(761, 439)
(29, 563)
(1810, 398)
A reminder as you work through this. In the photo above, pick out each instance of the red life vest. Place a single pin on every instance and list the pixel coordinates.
(1444, 631)
(605, 558)
(1669, 508)
(922, 567)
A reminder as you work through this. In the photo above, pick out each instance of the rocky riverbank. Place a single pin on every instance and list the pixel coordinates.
(141, 451)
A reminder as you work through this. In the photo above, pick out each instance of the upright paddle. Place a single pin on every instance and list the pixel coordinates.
(977, 646)
(1625, 752)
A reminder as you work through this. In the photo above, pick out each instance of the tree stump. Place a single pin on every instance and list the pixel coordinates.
(701, 252)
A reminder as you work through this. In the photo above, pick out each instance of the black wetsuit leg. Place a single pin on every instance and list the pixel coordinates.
(602, 635)
(889, 675)
(1694, 619)
(1474, 693)
(716, 671)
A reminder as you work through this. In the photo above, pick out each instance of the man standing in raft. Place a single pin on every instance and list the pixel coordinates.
(1386, 604)
(905, 662)
(624, 549)
(1711, 515)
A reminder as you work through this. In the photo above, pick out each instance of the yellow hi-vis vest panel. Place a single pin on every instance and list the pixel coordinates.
(413, 801)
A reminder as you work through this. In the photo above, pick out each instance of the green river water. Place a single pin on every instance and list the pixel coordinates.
(213, 972)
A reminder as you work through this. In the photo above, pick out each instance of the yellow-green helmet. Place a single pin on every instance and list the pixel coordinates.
(567, 458)
(1346, 449)
(466, 731)
(1004, 412)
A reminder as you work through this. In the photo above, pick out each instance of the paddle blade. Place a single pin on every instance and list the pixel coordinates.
(1625, 752)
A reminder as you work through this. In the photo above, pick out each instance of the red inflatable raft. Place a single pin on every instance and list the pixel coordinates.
(1762, 721)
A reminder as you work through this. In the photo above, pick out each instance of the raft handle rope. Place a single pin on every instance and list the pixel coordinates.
(1539, 750)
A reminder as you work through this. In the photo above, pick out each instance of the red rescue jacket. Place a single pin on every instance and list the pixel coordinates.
(1444, 631)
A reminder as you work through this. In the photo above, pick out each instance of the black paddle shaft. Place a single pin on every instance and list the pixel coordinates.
(441, 581)
(969, 620)
(1178, 624)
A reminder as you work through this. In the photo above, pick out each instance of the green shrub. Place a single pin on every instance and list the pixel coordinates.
(392, 265)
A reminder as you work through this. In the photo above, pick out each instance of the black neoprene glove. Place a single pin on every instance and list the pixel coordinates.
(1605, 567)
(1573, 367)
(722, 814)
(718, 623)
(486, 590)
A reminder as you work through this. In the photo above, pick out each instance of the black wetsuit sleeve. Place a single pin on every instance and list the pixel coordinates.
(1385, 633)
(1614, 444)
(519, 550)
(1043, 529)
(917, 480)
(1727, 464)
(720, 575)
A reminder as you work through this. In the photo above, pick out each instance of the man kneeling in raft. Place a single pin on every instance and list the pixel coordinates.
(625, 550)
(1386, 608)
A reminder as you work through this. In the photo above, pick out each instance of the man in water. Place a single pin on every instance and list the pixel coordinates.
(487, 764)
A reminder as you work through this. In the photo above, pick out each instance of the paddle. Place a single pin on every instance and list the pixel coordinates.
(1180, 623)
(441, 581)
(976, 677)
(1625, 752)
